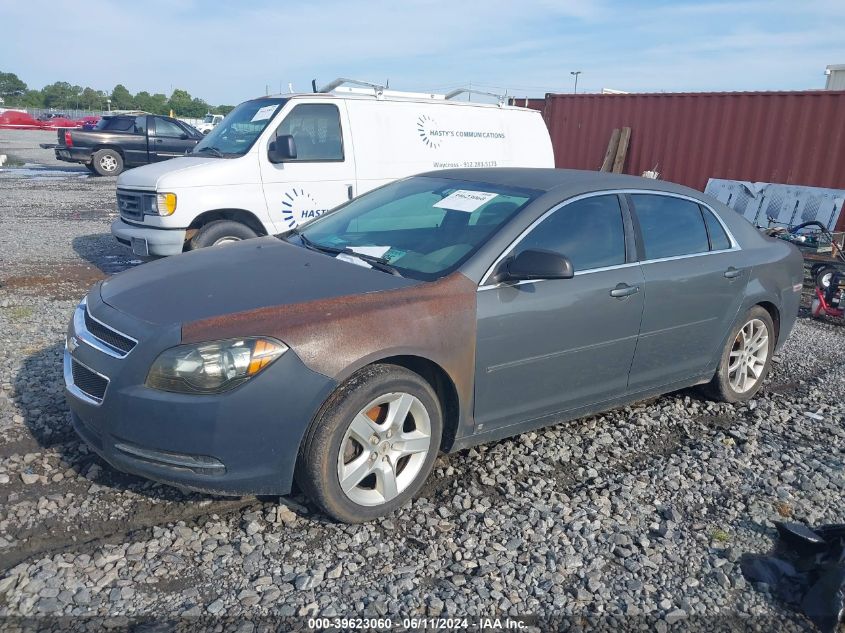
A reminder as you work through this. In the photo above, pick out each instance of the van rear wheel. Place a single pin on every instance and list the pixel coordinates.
(220, 233)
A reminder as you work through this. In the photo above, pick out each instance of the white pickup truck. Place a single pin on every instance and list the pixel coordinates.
(276, 162)
(209, 122)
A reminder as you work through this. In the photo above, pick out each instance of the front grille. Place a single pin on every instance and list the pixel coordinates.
(88, 382)
(130, 204)
(110, 337)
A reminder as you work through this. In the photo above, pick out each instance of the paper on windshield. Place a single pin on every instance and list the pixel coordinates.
(372, 251)
(348, 257)
(264, 113)
(464, 200)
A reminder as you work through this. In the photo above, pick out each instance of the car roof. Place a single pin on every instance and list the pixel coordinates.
(564, 181)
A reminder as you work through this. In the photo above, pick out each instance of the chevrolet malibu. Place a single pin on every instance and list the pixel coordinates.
(432, 314)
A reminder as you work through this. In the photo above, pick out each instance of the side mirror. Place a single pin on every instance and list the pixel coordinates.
(184, 136)
(282, 149)
(535, 264)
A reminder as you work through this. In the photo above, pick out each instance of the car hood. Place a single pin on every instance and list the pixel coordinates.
(252, 274)
(188, 171)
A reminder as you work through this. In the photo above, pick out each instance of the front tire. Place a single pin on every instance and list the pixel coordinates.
(107, 162)
(746, 359)
(221, 232)
(372, 445)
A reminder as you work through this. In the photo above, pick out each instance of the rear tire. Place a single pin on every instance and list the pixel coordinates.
(107, 162)
(746, 359)
(221, 232)
(372, 445)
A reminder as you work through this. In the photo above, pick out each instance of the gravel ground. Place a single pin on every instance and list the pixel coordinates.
(636, 517)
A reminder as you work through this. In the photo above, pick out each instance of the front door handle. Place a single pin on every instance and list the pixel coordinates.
(732, 273)
(624, 290)
(349, 194)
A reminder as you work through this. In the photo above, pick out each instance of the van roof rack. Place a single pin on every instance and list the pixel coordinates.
(501, 99)
(343, 84)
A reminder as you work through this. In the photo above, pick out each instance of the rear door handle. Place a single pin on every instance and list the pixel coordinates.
(624, 290)
(732, 273)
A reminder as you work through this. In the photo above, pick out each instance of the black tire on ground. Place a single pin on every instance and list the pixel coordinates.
(90, 167)
(719, 388)
(317, 466)
(821, 273)
(107, 162)
(221, 232)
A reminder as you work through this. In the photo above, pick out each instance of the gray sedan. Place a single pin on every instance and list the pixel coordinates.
(431, 314)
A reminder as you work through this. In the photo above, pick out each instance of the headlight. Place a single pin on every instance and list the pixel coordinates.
(165, 203)
(213, 367)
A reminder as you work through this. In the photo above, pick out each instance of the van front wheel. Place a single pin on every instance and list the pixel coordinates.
(221, 232)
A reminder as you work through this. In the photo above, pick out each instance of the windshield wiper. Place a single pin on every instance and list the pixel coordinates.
(379, 263)
(213, 150)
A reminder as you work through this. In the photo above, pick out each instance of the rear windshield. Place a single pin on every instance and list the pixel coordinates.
(117, 124)
(424, 227)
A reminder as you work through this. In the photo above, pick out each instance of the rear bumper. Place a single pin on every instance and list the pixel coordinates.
(73, 154)
(147, 240)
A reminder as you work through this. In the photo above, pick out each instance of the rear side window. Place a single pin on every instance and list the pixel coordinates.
(116, 124)
(719, 240)
(671, 227)
(589, 232)
(315, 128)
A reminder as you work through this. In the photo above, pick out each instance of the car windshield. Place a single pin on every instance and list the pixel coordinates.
(208, 118)
(238, 131)
(422, 227)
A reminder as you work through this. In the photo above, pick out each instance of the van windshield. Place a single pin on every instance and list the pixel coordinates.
(422, 227)
(238, 131)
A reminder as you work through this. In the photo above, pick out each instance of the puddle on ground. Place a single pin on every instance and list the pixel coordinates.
(34, 171)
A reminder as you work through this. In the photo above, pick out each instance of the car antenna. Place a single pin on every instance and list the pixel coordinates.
(314, 85)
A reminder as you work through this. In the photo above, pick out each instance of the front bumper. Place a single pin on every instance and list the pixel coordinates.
(148, 241)
(241, 442)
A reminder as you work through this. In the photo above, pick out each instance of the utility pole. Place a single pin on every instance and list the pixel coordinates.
(575, 74)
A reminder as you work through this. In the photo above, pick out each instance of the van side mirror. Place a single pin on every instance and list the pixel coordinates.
(281, 149)
(534, 264)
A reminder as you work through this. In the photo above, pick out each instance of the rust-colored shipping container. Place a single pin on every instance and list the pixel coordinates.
(779, 137)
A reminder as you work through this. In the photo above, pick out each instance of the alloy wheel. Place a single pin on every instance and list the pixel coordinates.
(108, 162)
(748, 356)
(384, 449)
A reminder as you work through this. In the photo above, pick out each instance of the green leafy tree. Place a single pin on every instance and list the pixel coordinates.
(121, 98)
(91, 99)
(154, 104)
(12, 88)
(32, 99)
(224, 109)
(180, 102)
(60, 95)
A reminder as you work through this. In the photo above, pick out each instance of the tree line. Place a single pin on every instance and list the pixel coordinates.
(63, 96)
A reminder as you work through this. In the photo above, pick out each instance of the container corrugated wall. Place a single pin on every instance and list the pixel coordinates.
(780, 137)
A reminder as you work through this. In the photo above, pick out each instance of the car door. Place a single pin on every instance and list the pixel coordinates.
(168, 139)
(322, 175)
(554, 345)
(134, 146)
(695, 279)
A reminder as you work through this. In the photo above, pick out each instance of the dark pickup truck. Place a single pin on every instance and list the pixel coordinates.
(118, 142)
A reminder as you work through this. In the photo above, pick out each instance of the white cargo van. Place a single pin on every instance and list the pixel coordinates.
(276, 162)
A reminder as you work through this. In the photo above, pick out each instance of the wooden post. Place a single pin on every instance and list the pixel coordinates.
(622, 150)
(612, 146)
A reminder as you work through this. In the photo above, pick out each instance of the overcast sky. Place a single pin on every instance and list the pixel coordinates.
(225, 52)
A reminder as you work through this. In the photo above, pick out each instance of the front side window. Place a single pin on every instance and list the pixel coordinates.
(238, 131)
(168, 128)
(590, 232)
(424, 227)
(671, 227)
(315, 128)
